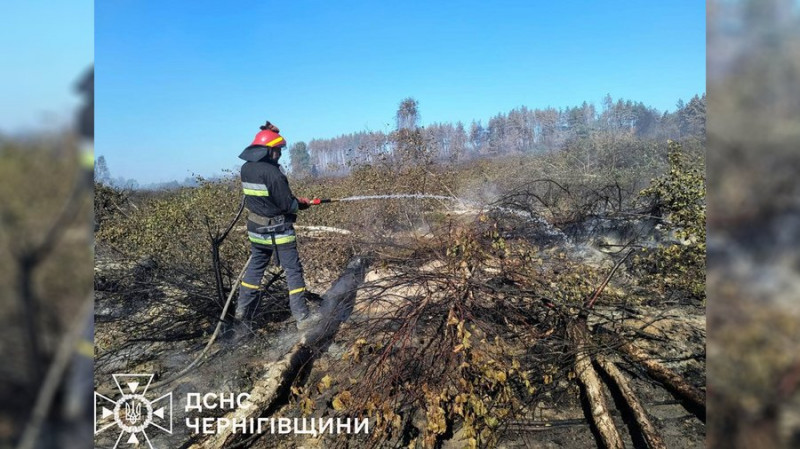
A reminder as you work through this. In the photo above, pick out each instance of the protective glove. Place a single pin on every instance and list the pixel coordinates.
(303, 203)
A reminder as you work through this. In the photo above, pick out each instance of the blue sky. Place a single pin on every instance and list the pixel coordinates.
(183, 85)
(47, 45)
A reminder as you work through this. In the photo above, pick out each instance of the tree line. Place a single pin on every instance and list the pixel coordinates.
(519, 131)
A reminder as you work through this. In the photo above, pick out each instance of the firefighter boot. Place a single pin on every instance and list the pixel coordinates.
(242, 328)
(309, 321)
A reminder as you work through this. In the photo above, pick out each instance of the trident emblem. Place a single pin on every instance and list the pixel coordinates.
(133, 412)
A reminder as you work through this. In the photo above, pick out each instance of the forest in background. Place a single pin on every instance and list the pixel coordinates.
(520, 131)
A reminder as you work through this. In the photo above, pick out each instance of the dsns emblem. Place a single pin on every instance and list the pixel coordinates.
(132, 413)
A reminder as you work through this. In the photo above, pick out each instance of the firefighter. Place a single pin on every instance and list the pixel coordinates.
(270, 227)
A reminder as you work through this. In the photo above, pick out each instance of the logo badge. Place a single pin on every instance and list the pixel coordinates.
(132, 412)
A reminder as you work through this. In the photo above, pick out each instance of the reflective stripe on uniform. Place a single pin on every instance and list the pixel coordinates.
(85, 348)
(250, 286)
(255, 192)
(253, 189)
(267, 239)
(297, 290)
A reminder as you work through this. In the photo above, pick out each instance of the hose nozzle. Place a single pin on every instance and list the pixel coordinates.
(317, 201)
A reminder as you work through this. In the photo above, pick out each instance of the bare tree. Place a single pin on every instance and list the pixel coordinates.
(407, 116)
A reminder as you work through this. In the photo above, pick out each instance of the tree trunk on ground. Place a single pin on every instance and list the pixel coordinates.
(264, 392)
(651, 434)
(661, 373)
(579, 335)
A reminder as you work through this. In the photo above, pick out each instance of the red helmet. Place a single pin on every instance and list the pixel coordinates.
(269, 137)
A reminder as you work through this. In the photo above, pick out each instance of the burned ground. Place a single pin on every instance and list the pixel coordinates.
(472, 323)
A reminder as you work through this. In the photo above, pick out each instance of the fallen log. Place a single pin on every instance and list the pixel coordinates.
(578, 334)
(337, 303)
(609, 434)
(263, 394)
(649, 431)
(666, 376)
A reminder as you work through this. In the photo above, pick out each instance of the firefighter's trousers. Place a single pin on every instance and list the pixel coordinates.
(290, 262)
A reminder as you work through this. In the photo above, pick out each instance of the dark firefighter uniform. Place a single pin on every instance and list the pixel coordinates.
(270, 223)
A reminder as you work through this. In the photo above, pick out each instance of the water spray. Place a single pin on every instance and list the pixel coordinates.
(418, 196)
(548, 228)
